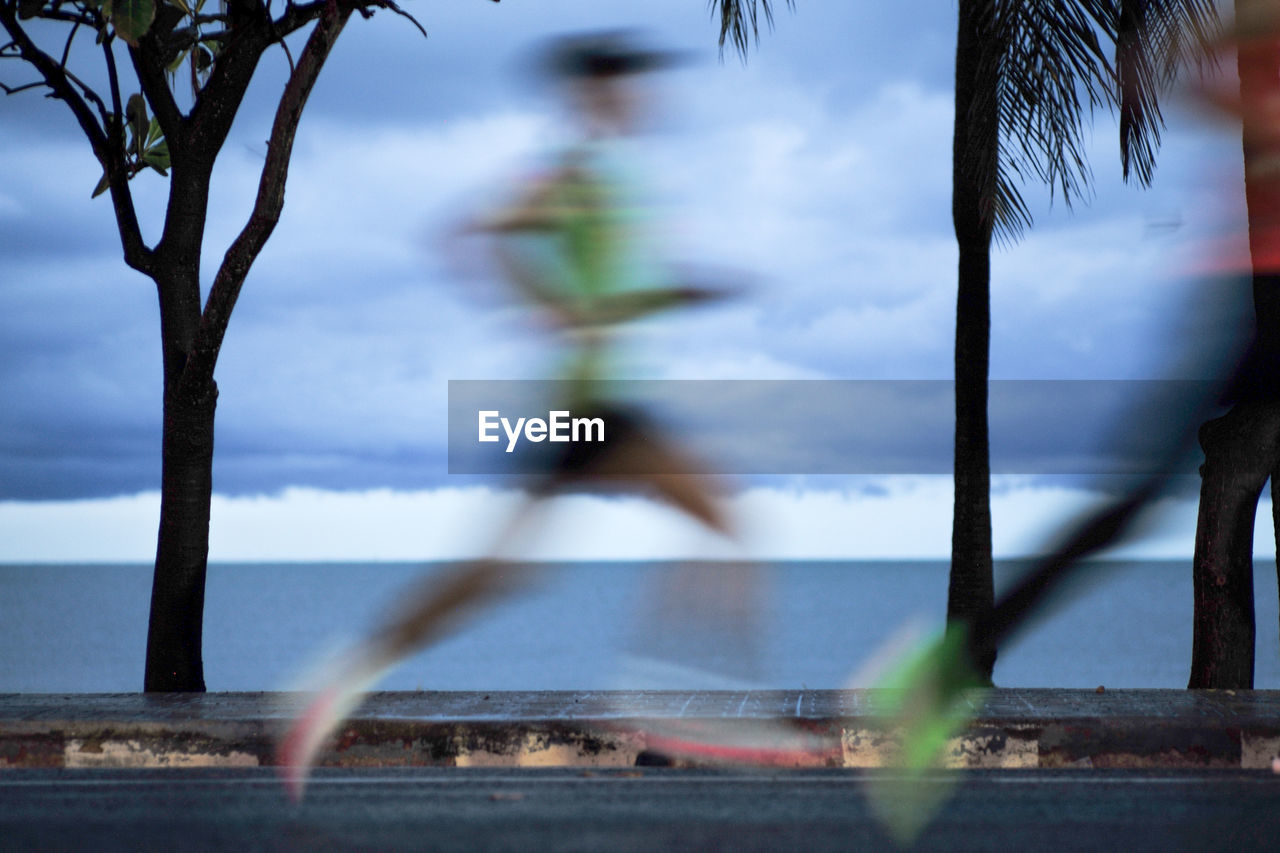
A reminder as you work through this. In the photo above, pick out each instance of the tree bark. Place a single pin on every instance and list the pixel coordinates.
(1240, 454)
(192, 338)
(175, 635)
(175, 631)
(971, 590)
(1242, 448)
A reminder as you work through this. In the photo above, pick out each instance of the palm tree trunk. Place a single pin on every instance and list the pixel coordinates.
(971, 590)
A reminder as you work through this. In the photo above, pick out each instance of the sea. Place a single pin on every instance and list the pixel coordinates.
(603, 625)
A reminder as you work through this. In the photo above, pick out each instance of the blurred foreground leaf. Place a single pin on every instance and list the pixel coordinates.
(931, 698)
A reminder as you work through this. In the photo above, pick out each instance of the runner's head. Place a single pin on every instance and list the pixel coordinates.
(602, 74)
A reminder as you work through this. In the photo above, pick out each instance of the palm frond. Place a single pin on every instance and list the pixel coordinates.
(1044, 73)
(1009, 213)
(1154, 40)
(740, 21)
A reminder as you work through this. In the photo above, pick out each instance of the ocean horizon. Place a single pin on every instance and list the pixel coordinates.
(71, 628)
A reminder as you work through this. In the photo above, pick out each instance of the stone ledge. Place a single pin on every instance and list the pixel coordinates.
(1010, 728)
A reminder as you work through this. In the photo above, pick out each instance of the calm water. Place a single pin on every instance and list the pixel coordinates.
(83, 628)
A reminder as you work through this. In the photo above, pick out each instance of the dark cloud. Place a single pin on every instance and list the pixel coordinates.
(821, 166)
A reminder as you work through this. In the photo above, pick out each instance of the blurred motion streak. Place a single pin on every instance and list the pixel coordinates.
(571, 243)
(939, 690)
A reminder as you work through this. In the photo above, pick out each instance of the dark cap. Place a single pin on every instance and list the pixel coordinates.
(605, 54)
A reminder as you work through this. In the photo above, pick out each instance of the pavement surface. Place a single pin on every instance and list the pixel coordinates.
(1040, 770)
(499, 809)
(1008, 728)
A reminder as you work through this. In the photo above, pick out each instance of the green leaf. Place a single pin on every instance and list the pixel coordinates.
(102, 186)
(177, 62)
(154, 134)
(180, 4)
(29, 8)
(157, 157)
(135, 112)
(132, 18)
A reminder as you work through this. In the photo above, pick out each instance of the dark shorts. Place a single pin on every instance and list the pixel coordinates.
(623, 426)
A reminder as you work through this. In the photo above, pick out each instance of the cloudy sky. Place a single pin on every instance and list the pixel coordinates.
(817, 173)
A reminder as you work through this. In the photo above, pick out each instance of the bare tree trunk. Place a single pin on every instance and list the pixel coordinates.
(192, 337)
(1240, 454)
(971, 590)
(175, 632)
(1242, 448)
(175, 635)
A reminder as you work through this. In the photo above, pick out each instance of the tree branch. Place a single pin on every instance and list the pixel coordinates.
(66, 50)
(390, 4)
(215, 108)
(150, 59)
(218, 101)
(63, 84)
(59, 15)
(13, 90)
(297, 16)
(208, 19)
(113, 78)
(89, 94)
(288, 55)
(155, 87)
(270, 199)
(218, 35)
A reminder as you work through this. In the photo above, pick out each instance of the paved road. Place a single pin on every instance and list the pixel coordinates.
(649, 809)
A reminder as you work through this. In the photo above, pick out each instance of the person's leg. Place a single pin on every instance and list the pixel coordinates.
(645, 458)
(697, 622)
(434, 606)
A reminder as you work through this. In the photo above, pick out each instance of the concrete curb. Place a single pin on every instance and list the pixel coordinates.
(1010, 728)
